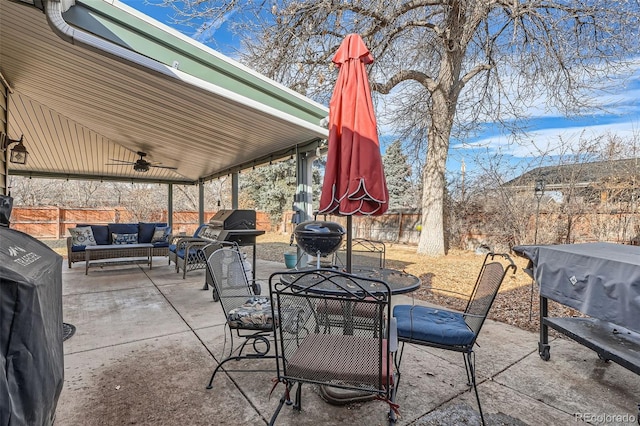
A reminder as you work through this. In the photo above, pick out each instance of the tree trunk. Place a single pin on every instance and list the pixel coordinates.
(444, 98)
(432, 238)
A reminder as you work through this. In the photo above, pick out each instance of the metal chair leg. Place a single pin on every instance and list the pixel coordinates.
(298, 403)
(285, 398)
(470, 358)
(467, 368)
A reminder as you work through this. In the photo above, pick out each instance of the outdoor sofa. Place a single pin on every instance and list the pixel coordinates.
(118, 235)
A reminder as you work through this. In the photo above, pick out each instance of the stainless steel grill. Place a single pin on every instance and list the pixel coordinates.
(236, 226)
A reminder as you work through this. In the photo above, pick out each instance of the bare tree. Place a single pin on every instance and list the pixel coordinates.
(35, 192)
(447, 64)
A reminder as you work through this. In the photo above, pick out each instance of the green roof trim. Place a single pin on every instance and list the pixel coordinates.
(131, 32)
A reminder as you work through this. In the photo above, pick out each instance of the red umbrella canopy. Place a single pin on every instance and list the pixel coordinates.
(354, 182)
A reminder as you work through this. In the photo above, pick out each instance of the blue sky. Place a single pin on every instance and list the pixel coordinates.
(546, 127)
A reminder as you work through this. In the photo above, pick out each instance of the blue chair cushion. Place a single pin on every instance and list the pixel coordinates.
(420, 323)
(77, 248)
(161, 244)
(172, 248)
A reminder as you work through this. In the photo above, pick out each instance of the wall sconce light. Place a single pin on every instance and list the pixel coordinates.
(19, 152)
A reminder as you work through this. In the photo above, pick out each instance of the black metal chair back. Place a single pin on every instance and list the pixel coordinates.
(229, 278)
(484, 292)
(246, 313)
(369, 253)
(342, 355)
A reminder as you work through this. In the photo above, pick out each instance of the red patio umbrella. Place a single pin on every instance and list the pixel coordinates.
(354, 182)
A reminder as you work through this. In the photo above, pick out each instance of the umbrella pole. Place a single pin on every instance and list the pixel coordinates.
(349, 238)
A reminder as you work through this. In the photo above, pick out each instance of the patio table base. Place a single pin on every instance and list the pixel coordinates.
(338, 396)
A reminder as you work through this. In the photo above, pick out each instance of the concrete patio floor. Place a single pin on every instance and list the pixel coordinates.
(145, 344)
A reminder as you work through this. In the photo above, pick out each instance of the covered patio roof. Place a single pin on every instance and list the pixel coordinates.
(90, 82)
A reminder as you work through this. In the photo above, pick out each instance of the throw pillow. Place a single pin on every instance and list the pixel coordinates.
(124, 238)
(82, 236)
(160, 234)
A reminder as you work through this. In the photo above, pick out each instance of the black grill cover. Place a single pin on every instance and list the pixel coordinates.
(31, 357)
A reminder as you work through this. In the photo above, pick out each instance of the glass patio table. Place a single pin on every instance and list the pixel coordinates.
(399, 282)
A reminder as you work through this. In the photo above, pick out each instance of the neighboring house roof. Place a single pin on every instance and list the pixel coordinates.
(99, 81)
(579, 174)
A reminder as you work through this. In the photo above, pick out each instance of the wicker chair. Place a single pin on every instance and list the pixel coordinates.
(341, 356)
(248, 314)
(455, 331)
(186, 252)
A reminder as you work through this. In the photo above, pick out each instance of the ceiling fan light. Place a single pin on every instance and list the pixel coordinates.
(140, 167)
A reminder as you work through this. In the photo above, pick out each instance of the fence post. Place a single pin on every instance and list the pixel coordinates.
(59, 219)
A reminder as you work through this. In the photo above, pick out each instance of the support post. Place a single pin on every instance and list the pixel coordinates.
(200, 202)
(235, 180)
(303, 199)
(170, 205)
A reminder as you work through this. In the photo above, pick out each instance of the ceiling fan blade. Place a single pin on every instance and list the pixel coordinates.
(119, 164)
(121, 161)
(165, 167)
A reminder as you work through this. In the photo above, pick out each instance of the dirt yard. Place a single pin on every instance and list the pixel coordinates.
(448, 281)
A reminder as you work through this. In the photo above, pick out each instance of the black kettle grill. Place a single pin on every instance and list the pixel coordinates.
(319, 238)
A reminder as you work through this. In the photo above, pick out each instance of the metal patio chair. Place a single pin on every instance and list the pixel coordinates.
(368, 253)
(248, 315)
(455, 331)
(341, 356)
(365, 254)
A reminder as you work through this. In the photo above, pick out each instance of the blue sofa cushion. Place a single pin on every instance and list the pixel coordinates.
(432, 325)
(77, 248)
(100, 233)
(146, 229)
(121, 228)
(161, 244)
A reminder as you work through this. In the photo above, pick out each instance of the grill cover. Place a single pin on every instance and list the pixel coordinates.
(31, 355)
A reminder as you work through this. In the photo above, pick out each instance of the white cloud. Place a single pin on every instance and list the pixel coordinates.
(550, 140)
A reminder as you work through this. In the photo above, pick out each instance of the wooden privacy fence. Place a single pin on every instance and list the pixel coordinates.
(398, 226)
(395, 226)
(53, 222)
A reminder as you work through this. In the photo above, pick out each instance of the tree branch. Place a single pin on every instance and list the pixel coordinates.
(420, 77)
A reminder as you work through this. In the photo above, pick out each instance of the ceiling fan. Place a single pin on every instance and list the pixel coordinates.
(140, 165)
